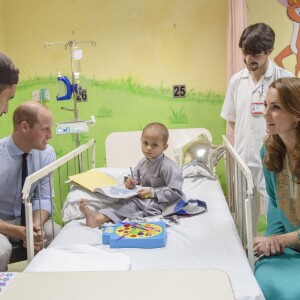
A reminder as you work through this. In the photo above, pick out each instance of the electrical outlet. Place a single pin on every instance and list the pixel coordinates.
(35, 95)
(47, 95)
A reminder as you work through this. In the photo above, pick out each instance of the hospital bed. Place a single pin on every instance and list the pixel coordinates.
(215, 239)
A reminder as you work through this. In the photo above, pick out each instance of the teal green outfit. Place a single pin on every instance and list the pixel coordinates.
(279, 276)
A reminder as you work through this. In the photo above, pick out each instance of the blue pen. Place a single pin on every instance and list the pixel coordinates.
(131, 173)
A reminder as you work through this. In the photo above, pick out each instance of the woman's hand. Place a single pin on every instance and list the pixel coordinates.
(268, 246)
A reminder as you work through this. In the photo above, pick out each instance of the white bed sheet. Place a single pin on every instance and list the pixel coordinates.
(206, 241)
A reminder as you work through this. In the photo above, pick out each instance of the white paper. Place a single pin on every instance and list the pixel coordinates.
(118, 191)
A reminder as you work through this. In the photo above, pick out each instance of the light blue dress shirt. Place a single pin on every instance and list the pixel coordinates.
(10, 178)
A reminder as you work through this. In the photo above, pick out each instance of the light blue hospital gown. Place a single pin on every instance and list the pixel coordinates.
(160, 173)
(279, 276)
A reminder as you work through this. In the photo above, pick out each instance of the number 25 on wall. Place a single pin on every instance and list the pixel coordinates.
(179, 91)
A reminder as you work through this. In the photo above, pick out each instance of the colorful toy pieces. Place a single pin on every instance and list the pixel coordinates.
(135, 235)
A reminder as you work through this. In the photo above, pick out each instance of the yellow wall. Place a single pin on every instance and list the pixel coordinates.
(2, 28)
(158, 42)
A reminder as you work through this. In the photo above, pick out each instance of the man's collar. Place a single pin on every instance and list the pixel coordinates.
(12, 147)
(270, 70)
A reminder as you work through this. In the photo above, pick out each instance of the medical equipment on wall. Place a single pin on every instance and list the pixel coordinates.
(68, 89)
(41, 95)
(74, 127)
(65, 86)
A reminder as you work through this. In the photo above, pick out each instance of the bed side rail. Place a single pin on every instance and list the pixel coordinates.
(75, 156)
(240, 197)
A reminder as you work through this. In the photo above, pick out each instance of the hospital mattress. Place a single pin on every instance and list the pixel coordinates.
(205, 241)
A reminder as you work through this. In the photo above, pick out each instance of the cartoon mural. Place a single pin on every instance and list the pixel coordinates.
(293, 13)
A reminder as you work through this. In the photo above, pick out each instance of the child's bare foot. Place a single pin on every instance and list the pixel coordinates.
(93, 218)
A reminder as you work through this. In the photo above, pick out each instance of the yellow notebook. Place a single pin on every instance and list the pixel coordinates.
(93, 179)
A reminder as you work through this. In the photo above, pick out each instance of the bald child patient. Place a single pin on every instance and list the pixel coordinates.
(159, 177)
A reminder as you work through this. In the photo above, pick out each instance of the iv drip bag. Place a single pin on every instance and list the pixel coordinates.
(76, 57)
(76, 54)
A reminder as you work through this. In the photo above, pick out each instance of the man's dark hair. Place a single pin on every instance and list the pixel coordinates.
(9, 74)
(257, 38)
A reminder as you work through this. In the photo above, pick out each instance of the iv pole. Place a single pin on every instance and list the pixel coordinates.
(72, 45)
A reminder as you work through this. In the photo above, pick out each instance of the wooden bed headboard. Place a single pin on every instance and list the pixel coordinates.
(123, 149)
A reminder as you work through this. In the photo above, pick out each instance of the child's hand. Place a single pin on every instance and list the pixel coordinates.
(130, 183)
(144, 193)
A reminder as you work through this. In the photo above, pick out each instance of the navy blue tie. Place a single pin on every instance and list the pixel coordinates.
(24, 175)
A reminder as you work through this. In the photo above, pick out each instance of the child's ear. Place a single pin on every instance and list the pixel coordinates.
(166, 146)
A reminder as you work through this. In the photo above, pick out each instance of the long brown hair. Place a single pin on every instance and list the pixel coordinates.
(289, 93)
